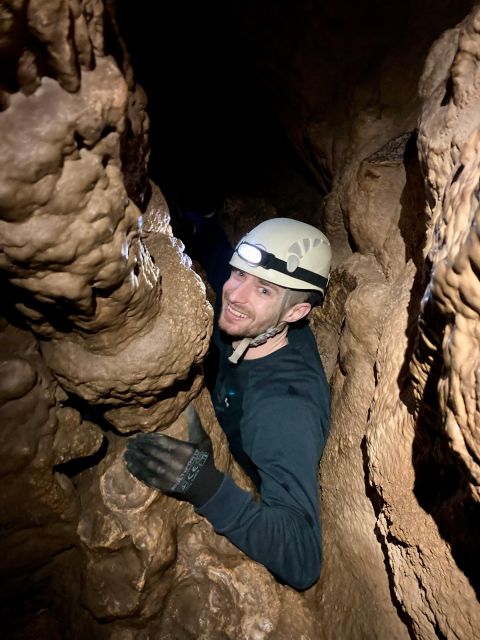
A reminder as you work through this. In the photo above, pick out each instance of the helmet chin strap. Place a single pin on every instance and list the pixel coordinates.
(245, 343)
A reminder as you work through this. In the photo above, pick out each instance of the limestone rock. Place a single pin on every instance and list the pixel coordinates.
(119, 327)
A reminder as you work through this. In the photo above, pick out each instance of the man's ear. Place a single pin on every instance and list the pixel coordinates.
(297, 312)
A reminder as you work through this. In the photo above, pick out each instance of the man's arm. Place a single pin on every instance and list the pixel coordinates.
(282, 530)
(281, 539)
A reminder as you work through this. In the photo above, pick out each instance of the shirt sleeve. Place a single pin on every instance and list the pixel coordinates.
(282, 530)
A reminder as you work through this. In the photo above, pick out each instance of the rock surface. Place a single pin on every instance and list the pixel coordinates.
(106, 326)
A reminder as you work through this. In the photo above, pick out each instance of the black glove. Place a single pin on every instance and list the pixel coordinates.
(184, 470)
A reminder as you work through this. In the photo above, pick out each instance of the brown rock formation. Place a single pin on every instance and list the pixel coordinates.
(107, 326)
(72, 237)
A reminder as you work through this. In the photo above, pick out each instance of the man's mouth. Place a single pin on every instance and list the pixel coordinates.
(236, 313)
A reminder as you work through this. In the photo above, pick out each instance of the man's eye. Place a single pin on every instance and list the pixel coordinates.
(264, 291)
(238, 272)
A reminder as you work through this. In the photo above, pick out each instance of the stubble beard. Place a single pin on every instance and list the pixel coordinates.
(230, 331)
(251, 331)
(227, 328)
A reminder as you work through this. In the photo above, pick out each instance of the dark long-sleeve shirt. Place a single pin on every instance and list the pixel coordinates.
(275, 413)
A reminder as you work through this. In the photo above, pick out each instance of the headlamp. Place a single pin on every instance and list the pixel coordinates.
(257, 257)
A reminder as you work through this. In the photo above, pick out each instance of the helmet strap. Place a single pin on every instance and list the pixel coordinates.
(240, 349)
(245, 343)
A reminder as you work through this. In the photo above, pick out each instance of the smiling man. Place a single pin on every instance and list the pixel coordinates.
(250, 305)
(271, 399)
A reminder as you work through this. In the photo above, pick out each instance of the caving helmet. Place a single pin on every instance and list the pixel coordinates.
(286, 252)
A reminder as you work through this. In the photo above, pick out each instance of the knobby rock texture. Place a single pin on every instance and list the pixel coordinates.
(104, 331)
(105, 326)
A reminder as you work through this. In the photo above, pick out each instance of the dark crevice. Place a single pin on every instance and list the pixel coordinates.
(71, 40)
(370, 490)
(71, 468)
(93, 413)
(79, 140)
(377, 503)
(441, 479)
(107, 130)
(351, 241)
(439, 633)
(112, 44)
(401, 612)
(458, 173)
(81, 143)
(448, 95)
(57, 313)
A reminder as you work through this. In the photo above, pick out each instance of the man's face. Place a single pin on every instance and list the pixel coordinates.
(250, 306)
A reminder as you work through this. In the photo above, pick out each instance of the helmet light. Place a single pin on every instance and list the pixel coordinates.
(255, 256)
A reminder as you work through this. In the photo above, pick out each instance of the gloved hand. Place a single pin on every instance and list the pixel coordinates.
(184, 470)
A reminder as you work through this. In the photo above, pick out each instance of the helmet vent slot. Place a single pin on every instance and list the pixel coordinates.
(292, 263)
(296, 249)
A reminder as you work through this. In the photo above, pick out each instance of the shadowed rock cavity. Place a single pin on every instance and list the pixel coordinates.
(375, 138)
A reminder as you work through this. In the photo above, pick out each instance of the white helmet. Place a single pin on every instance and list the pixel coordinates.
(286, 252)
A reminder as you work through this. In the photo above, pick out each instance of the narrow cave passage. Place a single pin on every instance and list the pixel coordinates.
(213, 131)
(231, 87)
(331, 112)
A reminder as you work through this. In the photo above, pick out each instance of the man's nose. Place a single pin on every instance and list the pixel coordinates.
(239, 291)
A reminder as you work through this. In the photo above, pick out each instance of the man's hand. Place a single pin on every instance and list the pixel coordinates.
(184, 470)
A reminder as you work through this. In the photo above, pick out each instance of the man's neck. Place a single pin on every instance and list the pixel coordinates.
(272, 344)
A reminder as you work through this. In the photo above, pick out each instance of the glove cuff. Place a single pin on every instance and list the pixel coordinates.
(205, 486)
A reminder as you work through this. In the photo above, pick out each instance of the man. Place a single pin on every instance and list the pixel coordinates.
(271, 399)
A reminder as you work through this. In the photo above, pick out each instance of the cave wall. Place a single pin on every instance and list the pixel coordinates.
(398, 478)
(92, 348)
(104, 327)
